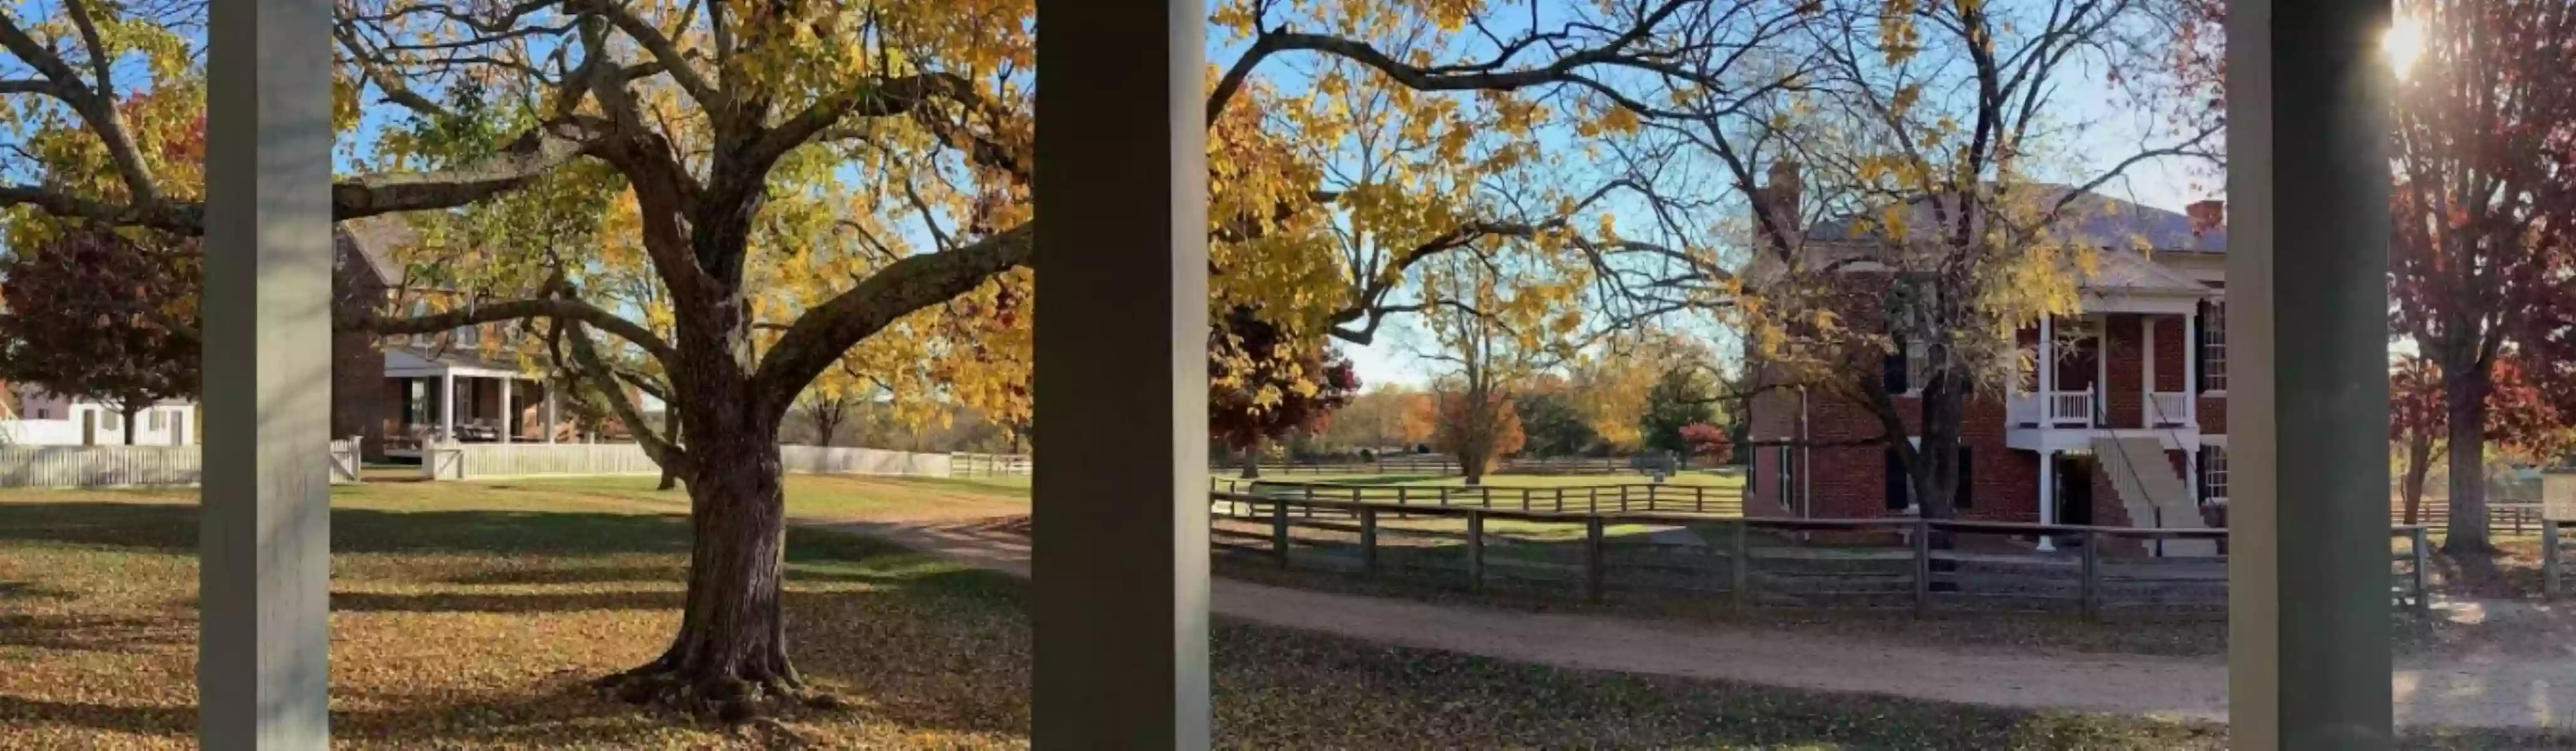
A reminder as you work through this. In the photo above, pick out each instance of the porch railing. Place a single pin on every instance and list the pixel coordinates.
(2168, 408)
(2055, 408)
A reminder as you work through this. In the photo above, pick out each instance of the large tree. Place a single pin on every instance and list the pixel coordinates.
(95, 314)
(801, 182)
(2484, 156)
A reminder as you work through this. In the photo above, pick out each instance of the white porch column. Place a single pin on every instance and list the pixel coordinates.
(263, 575)
(1119, 618)
(2047, 496)
(2191, 369)
(550, 413)
(2047, 364)
(2147, 371)
(509, 408)
(446, 407)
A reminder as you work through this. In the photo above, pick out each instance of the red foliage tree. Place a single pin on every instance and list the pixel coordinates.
(102, 316)
(2524, 409)
(1707, 440)
(1262, 385)
(2480, 249)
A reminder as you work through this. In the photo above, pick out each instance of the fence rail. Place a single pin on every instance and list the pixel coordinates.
(1741, 561)
(1426, 464)
(962, 464)
(1605, 498)
(2514, 518)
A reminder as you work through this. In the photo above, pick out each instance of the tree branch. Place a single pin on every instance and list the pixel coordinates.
(819, 338)
(554, 308)
(535, 153)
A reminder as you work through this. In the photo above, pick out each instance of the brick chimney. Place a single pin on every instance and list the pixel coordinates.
(2206, 216)
(1779, 197)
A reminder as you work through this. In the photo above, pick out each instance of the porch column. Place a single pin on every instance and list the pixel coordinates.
(1120, 615)
(263, 545)
(509, 408)
(2047, 496)
(2307, 421)
(2099, 415)
(2147, 416)
(446, 407)
(2191, 369)
(2047, 364)
(550, 413)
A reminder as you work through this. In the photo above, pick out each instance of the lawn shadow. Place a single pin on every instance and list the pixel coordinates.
(172, 528)
(95, 633)
(147, 720)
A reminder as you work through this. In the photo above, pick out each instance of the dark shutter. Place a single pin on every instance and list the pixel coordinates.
(2200, 476)
(1964, 495)
(2200, 347)
(1895, 481)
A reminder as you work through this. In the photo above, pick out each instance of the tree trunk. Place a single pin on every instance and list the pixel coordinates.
(129, 424)
(671, 432)
(2464, 395)
(1252, 460)
(731, 650)
(2419, 462)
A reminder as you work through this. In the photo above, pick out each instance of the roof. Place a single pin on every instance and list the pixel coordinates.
(2090, 219)
(2125, 270)
(374, 239)
(413, 360)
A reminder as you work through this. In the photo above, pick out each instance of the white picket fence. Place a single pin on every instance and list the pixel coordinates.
(963, 464)
(150, 466)
(99, 466)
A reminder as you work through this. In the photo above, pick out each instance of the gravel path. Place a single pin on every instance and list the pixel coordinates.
(2523, 688)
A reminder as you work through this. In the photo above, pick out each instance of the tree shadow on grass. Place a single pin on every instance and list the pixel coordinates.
(96, 633)
(148, 720)
(172, 528)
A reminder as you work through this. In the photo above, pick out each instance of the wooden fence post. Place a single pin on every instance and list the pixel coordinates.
(1525, 499)
(1650, 497)
(2090, 592)
(2553, 569)
(1922, 567)
(1623, 499)
(1399, 495)
(1368, 541)
(1592, 562)
(1739, 566)
(1699, 499)
(1592, 500)
(1279, 531)
(1444, 496)
(1476, 551)
(1560, 499)
(2423, 597)
(1485, 495)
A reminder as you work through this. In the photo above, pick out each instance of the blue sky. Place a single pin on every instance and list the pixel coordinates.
(1392, 357)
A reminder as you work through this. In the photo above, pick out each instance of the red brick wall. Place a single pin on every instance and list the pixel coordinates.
(2125, 352)
(360, 402)
(2213, 415)
(2170, 336)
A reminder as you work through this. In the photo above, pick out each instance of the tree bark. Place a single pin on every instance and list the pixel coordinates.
(2464, 395)
(670, 432)
(2419, 462)
(129, 413)
(1252, 459)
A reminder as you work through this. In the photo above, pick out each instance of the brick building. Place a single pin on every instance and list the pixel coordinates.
(2121, 420)
(399, 391)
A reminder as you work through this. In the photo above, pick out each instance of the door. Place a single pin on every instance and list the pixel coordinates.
(178, 428)
(2074, 489)
(89, 427)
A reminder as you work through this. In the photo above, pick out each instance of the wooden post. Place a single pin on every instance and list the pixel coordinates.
(1560, 499)
(1475, 551)
(264, 533)
(2553, 569)
(1699, 499)
(2423, 597)
(1592, 562)
(1525, 499)
(1623, 499)
(1368, 541)
(1444, 496)
(1922, 567)
(1650, 497)
(1485, 495)
(1739, 565)
(2091, 590)
(1399, 495)
(1279, 531)
(1592, 499)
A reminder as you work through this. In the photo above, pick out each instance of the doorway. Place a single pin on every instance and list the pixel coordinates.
(2074, 491)
(89, 427)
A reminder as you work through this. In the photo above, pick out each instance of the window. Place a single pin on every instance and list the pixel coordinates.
(2213, 474)
(111, 421)
(160, 420)
(44, 414)
(2213, 348)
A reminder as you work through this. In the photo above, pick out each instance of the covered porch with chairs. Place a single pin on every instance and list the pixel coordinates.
(466, 397)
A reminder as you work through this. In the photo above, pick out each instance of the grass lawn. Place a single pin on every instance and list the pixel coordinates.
(472, 615)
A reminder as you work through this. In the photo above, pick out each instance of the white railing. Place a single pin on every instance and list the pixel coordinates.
(843, 460)
(481, 460)
(345, 462)
(99, 466)
(964, 464)
(2168, 408)
(2070, 407)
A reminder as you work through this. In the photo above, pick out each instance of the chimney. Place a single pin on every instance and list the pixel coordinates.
(1780, 199)
(2206, 216)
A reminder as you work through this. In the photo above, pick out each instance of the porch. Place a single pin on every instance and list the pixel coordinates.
(465, 397)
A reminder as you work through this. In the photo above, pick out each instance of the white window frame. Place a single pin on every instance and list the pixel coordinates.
(2213, 350)
(110, 420)
(2213, 475)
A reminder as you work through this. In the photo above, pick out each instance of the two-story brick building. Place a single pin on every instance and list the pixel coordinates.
(398, 392)
(2120, 420)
